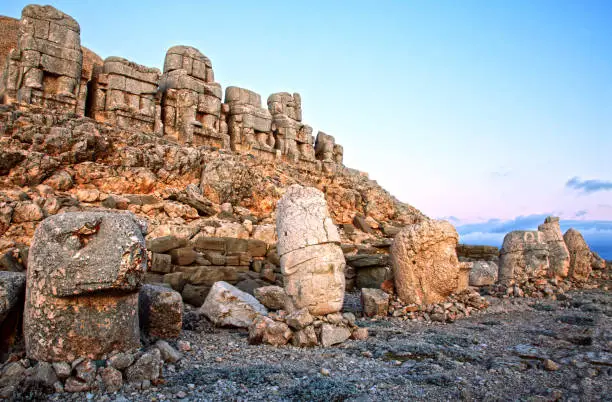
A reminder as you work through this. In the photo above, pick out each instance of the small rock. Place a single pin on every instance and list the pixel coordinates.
(121, 360)
(112, 378)
(62, 370)
(146, 368)
(168, 353)
(273, 297)
(359, 334)
(325, 372)
(550, 365)
(299, 319)
(333, 335)
(183, 346)
(268, 331)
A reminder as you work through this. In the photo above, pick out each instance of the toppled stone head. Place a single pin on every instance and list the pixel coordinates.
(559, 257)
(84, 272)
(425, 264)
(312, 262)
(524, 255)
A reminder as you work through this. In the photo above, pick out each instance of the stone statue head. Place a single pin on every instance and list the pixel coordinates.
(314, 278)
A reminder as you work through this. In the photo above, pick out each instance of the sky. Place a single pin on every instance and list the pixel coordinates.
(489, 113)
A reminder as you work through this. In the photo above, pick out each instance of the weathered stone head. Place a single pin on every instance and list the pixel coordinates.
(425, 264)
(524, 255)
(308, 245)
(84, 272)
(559, 256)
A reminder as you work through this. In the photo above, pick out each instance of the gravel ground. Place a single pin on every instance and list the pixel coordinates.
(519, 349)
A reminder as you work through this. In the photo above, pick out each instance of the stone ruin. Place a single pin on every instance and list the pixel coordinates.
(124, 94)
(183, 105)
(45, 68)
(84, 301)
(191, 100)
(97, 298)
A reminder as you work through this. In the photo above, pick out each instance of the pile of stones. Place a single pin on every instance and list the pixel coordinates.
(377, 303)
(141, 369)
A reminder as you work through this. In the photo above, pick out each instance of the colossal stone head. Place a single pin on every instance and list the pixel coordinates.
(425, 264)
(524, 255)
(84, 272)
(312, 262)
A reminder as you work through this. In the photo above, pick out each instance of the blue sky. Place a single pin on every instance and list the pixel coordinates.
(479, 110)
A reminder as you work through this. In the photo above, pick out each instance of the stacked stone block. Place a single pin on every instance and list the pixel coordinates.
(192, 267)
(125, 95)
(327, 150)
(249, 124)
(45, 68)
(293, 138)
(191, 99)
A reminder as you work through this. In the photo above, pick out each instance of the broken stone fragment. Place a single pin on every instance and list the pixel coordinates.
(85, 269)
(168, 353)
(299, 319)
(147, 368)
(226, 305)
(333, 335)
(375, 302)
(483, 273)
(267, 331)
(112, 378)
(580, 256)
(306, 337)
(273, 297)
(160, 311)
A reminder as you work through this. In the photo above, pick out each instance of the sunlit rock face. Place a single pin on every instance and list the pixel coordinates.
(524, 255)
(559, 257)
(312, 262)
(84, 272)
(580, 256)
(425, 264)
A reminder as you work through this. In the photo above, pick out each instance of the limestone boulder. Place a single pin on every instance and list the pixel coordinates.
(559, 257)
(160, 311)
(580, 255)
(375, 302)
(524, 255)
(311, 259)
(84, 272)
(227, 305)
(267, 331)
(483, 273)
(273, 297)
(425, 264)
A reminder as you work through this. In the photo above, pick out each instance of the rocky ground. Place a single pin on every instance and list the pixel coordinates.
(519, 349)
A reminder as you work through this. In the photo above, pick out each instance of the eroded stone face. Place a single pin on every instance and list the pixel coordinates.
(559, 257)
(312, 262)
(84, 272)
(425, 264)
(524, 255)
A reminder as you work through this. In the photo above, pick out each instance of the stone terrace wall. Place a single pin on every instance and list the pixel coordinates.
(47, 66)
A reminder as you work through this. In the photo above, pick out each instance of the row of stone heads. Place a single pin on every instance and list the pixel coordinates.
(184, 103)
